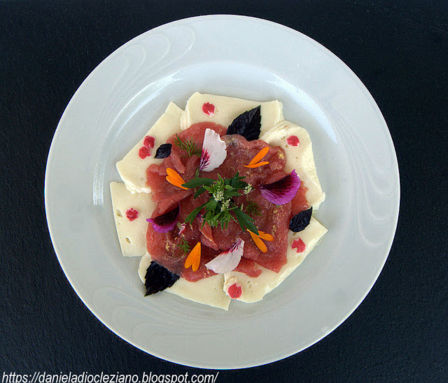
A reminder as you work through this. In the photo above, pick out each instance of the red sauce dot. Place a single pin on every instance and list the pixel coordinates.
(208, 108)
(235, 291)
(299, 245)
(144, 152)
(149, 141)
(131, 214)
(293, 140)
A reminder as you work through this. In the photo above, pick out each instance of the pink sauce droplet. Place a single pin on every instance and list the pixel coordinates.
(299, 245)
(293, 140)
(149, 141)
(144, 152)
(208, 108)
(131, 214)
(235, 291)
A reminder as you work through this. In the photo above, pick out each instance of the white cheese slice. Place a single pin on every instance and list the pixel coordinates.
(132, 168)
(298, 157)
(206, 291)
(131, 234)
(227, 109)
(254, 289)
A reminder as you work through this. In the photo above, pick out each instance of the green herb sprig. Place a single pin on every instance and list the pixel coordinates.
(188, 146)
(184, 246)
(252, 208)
(220, 208)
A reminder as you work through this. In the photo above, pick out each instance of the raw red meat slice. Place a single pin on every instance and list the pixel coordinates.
(166, 248)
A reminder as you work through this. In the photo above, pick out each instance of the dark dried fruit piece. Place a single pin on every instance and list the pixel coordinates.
(301, 220)
(163, 151)
(158, 278)
(247, 124)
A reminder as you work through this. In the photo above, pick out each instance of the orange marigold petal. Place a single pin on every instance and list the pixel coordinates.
(171, 172)
(194, 258)
(175, 182)
(260, 244)
(259, 155)
(265, 236)
(174, 178)
(257, 165)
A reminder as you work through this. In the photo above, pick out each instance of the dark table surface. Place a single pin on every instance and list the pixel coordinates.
(399, 49)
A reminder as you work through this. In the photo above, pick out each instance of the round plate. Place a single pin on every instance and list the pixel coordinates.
(248, 58)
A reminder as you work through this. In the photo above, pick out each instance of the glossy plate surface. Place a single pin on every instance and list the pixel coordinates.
(248, 58)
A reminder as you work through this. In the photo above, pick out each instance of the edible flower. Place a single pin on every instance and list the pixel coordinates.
(174, 178)
(194, 258)
(165, 222)
(213, 151)
(282, 191)
(227, 260)
(258, 239)
(255, 162)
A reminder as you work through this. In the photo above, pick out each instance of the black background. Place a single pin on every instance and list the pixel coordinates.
(399, 49)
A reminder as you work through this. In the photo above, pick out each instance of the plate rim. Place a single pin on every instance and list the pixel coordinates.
(369, 98)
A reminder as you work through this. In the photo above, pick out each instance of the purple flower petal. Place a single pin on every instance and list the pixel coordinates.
(282, 191)
(165, 222)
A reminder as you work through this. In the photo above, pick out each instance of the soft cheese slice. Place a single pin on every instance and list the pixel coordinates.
(131, 234)
(206, 291)
(132, 168)
(227, 109)
(298, 157)
(254, 289)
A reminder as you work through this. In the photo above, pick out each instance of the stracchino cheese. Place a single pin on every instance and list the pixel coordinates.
(206, 291)
(131, 232)
(132, 168)
(299, 156)
(226, 109)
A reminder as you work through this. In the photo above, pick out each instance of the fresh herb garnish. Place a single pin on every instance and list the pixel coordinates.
(245, 221)
(220, 208)
(252, 208)
(184, 246)
(194, 213)
(198, 181)
(188, 146)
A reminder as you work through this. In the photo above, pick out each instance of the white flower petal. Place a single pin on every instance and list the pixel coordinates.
(213, 151)
(228, 260)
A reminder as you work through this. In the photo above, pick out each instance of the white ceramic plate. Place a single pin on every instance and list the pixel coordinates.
(248, 58)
